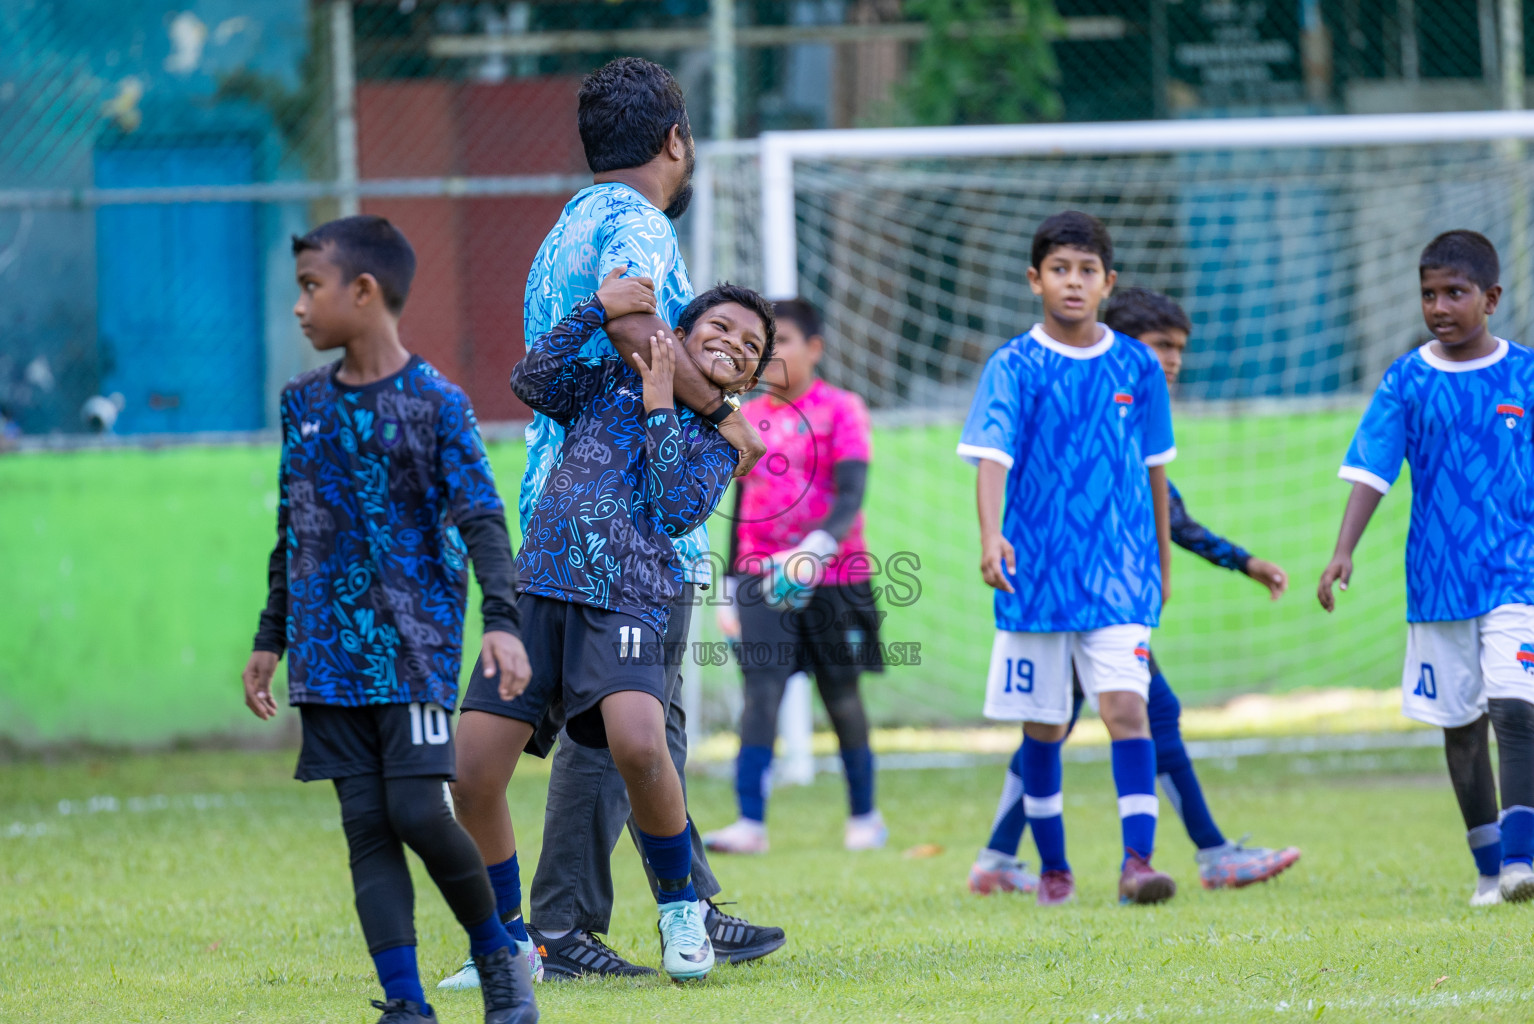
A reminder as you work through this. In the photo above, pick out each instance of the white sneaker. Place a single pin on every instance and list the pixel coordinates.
(1516, 882)
(865, 832)
(467, 977)
(686, 952)
(1488, 891)
(741, 836)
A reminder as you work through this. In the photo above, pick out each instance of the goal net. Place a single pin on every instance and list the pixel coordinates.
(1293, 245)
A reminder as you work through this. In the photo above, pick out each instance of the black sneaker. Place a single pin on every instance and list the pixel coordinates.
(737, 940)
(507, 986)
(403, 1011)
(581, 953)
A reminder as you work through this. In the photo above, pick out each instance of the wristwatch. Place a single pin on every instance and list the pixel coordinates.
(719, 415)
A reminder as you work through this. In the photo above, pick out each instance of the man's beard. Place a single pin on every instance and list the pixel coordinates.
(683, 197)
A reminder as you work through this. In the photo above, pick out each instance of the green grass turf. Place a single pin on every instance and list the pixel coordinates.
(132, 579)
(201, 887)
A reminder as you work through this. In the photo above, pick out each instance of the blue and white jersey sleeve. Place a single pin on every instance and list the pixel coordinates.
(1157, 444)
(990, 429)
(1379, 445)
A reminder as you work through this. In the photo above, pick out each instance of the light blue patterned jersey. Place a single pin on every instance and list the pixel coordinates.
(1465, 430)
(602, 227)
(1076, 429)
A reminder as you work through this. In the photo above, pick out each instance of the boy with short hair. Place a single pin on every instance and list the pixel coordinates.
(385, 488)
(599, 571)
(799, 597)
(1157, 321)
(1071, 424)
(1455, 410)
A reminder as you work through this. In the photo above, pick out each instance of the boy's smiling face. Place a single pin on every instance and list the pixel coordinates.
(1455, 308)
(1073, 283)
(727, 342)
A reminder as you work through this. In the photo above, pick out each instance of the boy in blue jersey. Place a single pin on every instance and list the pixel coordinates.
(599, 572)
(1456, 411)
(385, 490)
(634, 130)
(1072, 425)
(1157, 321)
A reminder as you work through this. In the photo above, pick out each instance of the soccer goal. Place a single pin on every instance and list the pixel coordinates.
(1291, 242)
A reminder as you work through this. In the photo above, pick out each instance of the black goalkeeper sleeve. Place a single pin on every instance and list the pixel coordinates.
(489, 547)
(733, 553)
(851, 479)
(272, 633)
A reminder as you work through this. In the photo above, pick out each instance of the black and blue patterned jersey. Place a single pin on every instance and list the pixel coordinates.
(375, 481)
(1191, 535)
(625, 485)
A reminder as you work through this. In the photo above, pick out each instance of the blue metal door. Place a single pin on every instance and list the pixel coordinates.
(178, 292)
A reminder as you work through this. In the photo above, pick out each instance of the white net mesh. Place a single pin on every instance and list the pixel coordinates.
(1298, 269)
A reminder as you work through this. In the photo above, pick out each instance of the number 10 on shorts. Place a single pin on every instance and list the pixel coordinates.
(428, 724)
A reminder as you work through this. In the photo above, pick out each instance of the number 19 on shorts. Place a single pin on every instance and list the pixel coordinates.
(1019, 676)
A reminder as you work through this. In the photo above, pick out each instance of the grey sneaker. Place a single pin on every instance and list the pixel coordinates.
(1235, 864)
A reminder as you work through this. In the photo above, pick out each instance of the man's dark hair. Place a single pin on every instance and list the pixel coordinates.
(801, 314)
(1075, 230)
(1468, 252)
(718, 296)
(627, 108)
(1139, 311)
(366, 245)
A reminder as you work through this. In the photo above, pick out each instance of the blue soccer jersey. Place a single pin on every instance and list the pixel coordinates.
(602, 227)
(1076, 429)
(373, 481)
(1464, 429)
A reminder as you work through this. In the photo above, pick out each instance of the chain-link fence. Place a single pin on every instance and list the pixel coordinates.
(154, 159)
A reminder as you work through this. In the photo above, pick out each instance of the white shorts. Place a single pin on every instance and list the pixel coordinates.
(1454, 668)
(1030, 677)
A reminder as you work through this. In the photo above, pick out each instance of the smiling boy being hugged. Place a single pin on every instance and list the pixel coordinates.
(1456, 410)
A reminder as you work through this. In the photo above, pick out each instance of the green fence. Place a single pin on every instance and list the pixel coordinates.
(133, 578)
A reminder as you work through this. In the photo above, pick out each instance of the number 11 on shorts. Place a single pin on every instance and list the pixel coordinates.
(627, 636)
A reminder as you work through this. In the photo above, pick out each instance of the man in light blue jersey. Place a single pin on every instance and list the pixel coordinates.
(634, 128)
(1457, 410)
(1071, 426)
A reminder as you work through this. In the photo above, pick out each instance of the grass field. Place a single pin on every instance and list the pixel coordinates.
(202, 887)
(133, 579)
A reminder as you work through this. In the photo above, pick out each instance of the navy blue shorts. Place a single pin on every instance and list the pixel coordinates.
(579, 655)
(393, 740)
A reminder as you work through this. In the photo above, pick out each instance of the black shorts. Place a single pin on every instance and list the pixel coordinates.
(392, 740)
(579, 655)
(836, 634)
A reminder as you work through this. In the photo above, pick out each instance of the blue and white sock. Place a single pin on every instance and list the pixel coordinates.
(506, 880)
(1044, 801)
(670, 858)
(1486, 847)
(753, 781)
(1175, 769)
(858, 763)
(1518, 834)
(399, 975)
(1134, 775)
(1011, 817)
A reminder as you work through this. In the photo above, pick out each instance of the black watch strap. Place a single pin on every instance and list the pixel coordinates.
(720, 414)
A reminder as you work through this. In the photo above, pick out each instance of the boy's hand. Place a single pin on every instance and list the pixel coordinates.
(660, 374)
(258, 684)
(621, 295)
(1339, 570)
(748, 444)
(997, 562)
(1269, 575)
(502, 653)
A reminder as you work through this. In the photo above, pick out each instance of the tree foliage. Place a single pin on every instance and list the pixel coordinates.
(985, 62)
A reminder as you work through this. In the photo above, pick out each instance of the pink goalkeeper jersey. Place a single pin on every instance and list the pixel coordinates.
(789, 492)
